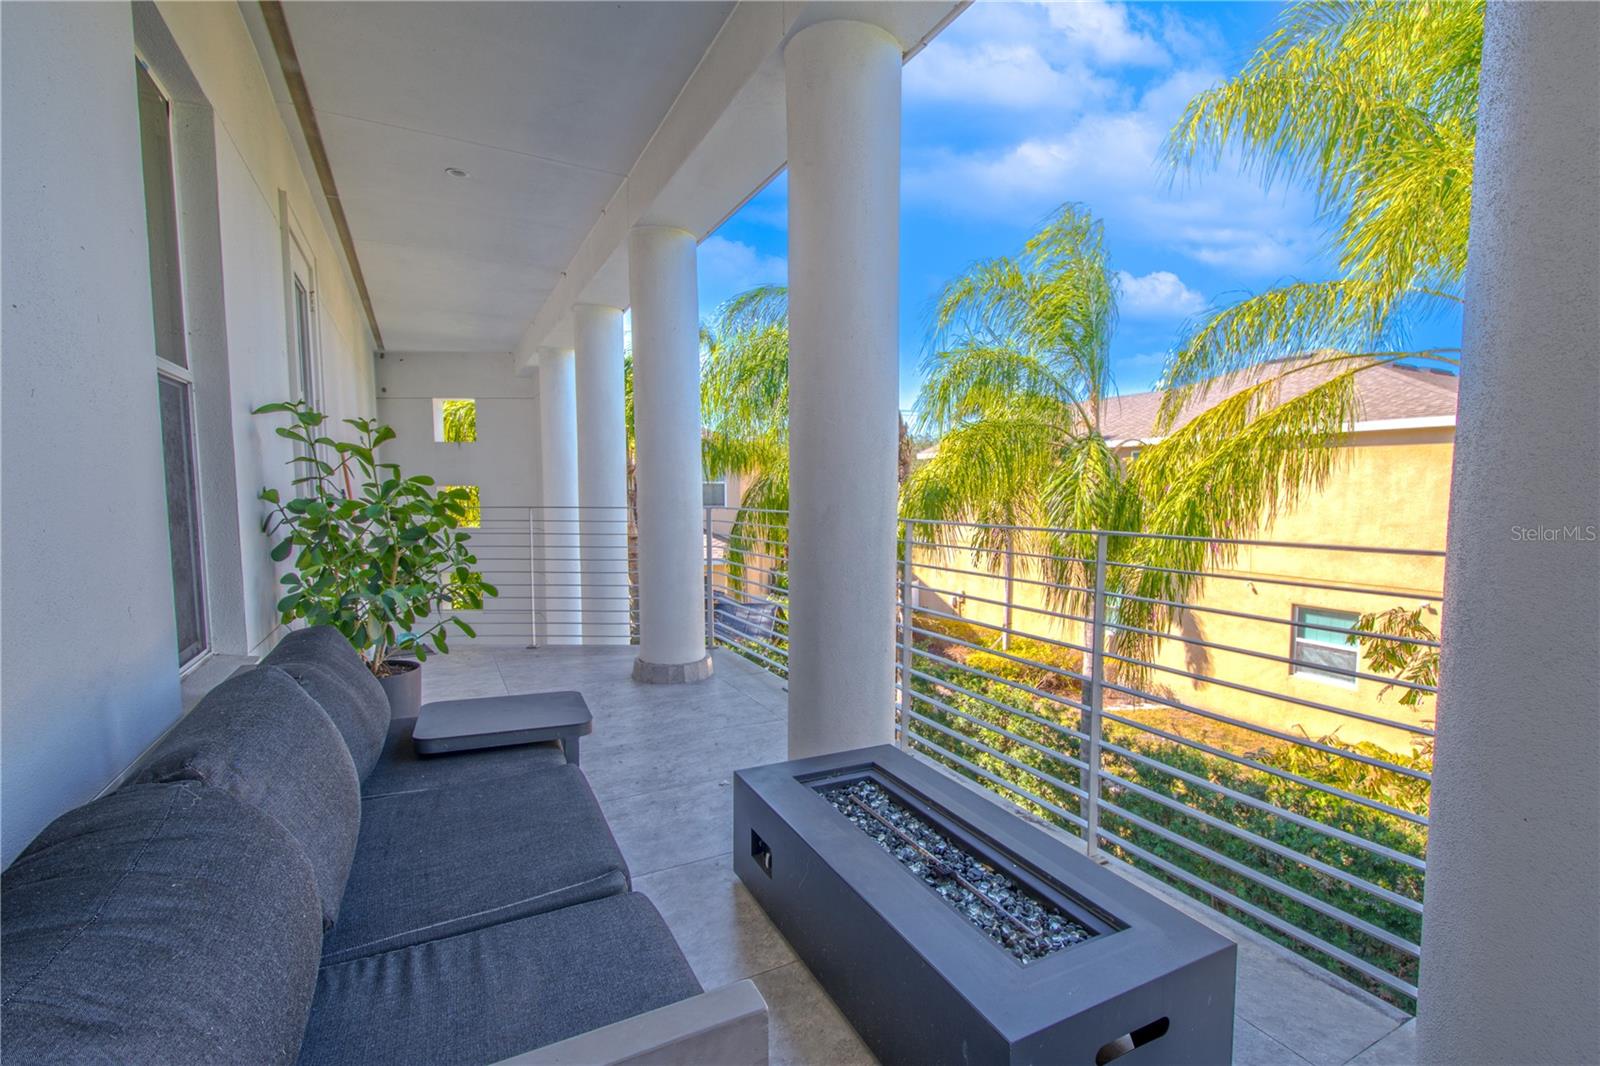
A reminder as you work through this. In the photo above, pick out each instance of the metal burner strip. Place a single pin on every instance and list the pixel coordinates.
(943, 869)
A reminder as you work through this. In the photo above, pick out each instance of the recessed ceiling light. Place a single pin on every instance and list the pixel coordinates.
(456, 172)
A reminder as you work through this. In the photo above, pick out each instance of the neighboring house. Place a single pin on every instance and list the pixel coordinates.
(1389, 488)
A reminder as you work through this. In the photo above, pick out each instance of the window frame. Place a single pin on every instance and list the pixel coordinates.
(1321, 673)
(182, 376)
(704, 485)
(300, 275)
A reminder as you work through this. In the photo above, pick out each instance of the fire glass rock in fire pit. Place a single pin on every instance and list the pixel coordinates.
(1003, 910)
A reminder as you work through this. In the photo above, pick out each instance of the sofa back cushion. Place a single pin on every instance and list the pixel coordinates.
(329, 668)
(261, 738)
(163, 923)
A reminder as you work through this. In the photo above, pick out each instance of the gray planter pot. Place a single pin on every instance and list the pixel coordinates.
(404, 689)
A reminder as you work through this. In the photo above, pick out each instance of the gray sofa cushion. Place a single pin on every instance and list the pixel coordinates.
(260, 737)
(400, 767)
(483, 996)
(434, 862)
(163, 923)
(323, 661)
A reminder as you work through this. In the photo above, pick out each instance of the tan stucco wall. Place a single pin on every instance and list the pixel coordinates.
(1388, 489)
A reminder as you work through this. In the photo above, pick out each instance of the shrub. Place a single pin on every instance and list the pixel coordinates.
(1025, 745)
(377, 555)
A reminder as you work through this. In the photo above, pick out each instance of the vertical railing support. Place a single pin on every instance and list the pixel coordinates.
(535, 593)
(1005, 633)
(906, 647)
(1095, 702)
(711, 592)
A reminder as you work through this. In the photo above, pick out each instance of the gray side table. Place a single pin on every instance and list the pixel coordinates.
(501, 721)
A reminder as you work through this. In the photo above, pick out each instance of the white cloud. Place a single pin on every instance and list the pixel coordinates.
(1159, 294)
(1107, 151)
(1106, 32)
(1110, 159)
(1258, 253)
(1000, 73)
(727, 268)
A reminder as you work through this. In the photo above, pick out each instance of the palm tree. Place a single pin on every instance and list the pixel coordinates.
(1016, 384)
(1015, 381)
(1375, 105)
(744, 402)
(744, 395)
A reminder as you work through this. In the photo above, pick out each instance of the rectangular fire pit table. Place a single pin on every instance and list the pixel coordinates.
(446, 726)
(951, 930)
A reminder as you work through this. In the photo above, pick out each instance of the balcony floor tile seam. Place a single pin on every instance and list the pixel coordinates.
(1363, 1054)
(1289, 1057)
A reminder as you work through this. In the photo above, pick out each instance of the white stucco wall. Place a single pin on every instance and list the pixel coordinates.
(88, 671)
(504, 462)
(88, 661)
(258, 177)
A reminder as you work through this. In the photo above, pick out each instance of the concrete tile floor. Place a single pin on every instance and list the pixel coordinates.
(661, 761)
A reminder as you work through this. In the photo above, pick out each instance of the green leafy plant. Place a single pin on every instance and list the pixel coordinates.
(1405, 658)
(379, 556)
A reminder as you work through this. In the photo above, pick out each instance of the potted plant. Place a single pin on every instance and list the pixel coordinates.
(379, 556)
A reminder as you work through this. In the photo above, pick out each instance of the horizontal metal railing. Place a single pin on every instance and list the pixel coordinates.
(565, 575)
(747, 593)
(1154, 705)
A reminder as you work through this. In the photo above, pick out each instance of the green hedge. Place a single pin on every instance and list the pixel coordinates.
(1033, 758)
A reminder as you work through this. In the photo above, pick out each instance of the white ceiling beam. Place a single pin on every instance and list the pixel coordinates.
(721, 141)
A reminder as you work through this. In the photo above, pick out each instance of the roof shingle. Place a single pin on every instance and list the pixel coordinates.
(1383, 392)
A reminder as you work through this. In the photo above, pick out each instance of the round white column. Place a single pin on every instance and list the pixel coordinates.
(844, 244)
(602, 474)
(1510, 937)
(556, 524)
(667, 469)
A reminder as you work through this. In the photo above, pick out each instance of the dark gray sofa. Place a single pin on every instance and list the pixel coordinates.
(283, 880)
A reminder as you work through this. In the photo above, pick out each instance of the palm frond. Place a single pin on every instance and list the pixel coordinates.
(1348, 314)
(987, 472)
(969, 381)
(1375, 104)
(744, 383)
(1236, 465)
(1053, 306)
(757, 529)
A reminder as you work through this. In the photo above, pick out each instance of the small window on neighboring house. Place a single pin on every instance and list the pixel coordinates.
(455, 421)
(472, 513)
(1323, 645)
(714, 494)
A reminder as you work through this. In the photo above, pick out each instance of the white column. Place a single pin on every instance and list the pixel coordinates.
(557, 522)
(844, 243)
(1510, 934)
(667, 471)
(602, 473)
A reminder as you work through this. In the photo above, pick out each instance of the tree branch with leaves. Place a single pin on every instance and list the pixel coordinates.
(377, 555)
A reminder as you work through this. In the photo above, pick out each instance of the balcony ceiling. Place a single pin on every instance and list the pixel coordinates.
(573, 122)
(545, 106)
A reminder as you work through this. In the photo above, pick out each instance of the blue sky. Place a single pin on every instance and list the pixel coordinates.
(1017, 108)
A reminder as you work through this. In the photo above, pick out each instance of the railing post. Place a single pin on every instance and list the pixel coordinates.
(1005, 633)
(1095, 701)
(906, 647)
(535, 594)
(711, 597)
